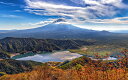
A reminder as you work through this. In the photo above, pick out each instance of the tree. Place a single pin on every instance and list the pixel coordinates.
(125, 53)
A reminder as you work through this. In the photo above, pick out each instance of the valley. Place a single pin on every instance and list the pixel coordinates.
(63, 39)
(10, 46)
(62, 54)
(23, 57)
(59, 56)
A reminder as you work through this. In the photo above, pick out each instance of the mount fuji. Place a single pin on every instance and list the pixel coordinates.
(58, 29)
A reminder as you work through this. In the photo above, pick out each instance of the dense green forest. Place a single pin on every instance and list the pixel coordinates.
(22, 45)
(9, 66)
(9, 45)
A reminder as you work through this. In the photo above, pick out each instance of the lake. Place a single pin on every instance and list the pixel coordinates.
(60, 56)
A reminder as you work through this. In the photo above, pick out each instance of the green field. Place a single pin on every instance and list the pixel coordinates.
(100, 50)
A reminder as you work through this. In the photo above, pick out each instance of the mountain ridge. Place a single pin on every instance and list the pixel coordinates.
(59, 29)
(11, 45)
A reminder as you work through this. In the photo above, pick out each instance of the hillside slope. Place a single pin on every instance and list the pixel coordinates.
(12, 66)
(11, 45)
(58, 29)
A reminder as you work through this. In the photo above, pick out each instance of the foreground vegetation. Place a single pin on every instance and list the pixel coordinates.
(13, 66)
(82, 68)
(77, 72)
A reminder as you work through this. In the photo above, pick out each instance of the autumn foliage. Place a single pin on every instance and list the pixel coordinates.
(78, 69)
(85, 73)
(77, 72)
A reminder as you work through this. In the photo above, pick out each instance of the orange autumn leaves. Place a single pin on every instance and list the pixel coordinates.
(85, 73)
(85, 69)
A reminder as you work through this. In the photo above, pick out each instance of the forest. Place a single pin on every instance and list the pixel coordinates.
(83, 68)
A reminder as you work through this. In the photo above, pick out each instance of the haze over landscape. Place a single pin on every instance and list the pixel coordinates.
(63, 40)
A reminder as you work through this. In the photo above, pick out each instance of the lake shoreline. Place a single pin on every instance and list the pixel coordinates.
(58, 56)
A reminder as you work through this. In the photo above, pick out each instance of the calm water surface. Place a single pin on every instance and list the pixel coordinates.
(60, 56)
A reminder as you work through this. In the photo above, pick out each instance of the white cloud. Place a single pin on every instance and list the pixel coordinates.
(96, 9)
(116, 3)
(81, 2)
(105, 27)
(92, 2)
(10, 16)
(91, 13)
(10, 4)
(42, 23)
(17, 10)
(42, 5)
(118, 20)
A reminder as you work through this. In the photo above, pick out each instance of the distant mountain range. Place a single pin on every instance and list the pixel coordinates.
(58, 29)
(121, 31)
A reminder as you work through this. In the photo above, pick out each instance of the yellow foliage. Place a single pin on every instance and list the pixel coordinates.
(86, 73)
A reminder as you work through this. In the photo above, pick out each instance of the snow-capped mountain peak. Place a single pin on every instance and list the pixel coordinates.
(61, 21)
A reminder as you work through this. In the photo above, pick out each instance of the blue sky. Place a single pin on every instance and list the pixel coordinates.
(90, 14)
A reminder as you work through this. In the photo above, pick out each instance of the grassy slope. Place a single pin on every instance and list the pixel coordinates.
(101, 50)
(104, 47)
